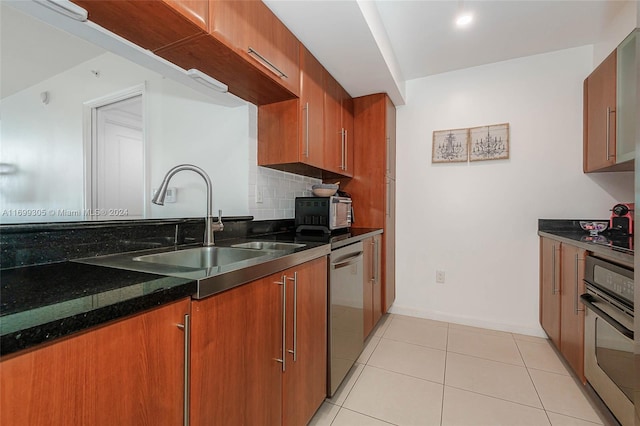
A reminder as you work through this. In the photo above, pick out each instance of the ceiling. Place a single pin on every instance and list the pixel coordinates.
(375, 46)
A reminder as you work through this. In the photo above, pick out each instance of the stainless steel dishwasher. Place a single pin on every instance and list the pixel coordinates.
(346, 312)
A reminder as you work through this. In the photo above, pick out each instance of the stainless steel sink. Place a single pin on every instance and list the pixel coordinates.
(201, 257)
(268, 245)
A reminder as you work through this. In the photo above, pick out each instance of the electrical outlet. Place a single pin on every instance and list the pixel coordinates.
(440, 277)
(259, 195)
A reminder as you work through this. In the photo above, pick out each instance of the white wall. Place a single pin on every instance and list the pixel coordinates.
(478, 222)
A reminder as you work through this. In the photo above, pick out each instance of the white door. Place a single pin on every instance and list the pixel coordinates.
(119, 160)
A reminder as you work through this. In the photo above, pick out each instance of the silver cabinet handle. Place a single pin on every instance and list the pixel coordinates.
(575, 301)
(553, 269)
(609, 111)
(342, 162)
(269, 64)
(375, 260)
(294, 351)
(388, 212)
(346, 150)
(186, 327)
(388, 156)
(306, 129)
(283, 360)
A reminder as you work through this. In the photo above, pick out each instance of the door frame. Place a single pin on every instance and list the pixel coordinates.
(89, 118)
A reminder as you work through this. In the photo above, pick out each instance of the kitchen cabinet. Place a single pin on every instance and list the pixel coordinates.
(291, 133)
(254, 32)
(195, 34)
(129, 372)
(571, 310)
(550, 269)
(338, 128)
(372, 293)
(258, 351)
(372, 187)
(150, 24)
(626, 98)
(599, 134)
(561, 313)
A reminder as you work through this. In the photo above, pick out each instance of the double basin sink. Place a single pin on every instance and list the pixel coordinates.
(210, 257)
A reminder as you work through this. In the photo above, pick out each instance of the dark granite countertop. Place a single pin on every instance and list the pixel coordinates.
(44, 302)
(610, 245)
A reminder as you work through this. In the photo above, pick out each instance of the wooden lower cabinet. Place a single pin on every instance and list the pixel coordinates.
(372, 283)
(571, 310)
(561, 313)
(239, 340)
(130, 372)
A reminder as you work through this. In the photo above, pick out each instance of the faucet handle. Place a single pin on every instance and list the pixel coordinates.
(220, 225)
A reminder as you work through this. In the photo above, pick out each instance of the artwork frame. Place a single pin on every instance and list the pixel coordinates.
(450, 146)
(489, 142)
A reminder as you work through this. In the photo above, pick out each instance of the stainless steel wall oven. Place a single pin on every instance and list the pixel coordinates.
(608, 352)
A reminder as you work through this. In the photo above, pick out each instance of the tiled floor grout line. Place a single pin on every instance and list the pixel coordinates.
(444, 374)
(546, 413)
(367, 415)
(496, 397)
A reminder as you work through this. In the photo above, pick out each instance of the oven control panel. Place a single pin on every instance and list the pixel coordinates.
(615, 280)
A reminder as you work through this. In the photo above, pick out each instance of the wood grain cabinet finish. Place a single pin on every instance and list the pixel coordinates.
(338, 128)
(550, 270)
(571, 310)
(599, 134)
(240, 339)
(251, 29)
(290, 133)
(372, 293)
(372, 187)
(130, 372)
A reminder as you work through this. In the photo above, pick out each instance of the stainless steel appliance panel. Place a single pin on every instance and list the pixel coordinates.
(346, 312)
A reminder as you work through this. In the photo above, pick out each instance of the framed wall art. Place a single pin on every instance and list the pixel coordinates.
(489, 142)
(450, 146)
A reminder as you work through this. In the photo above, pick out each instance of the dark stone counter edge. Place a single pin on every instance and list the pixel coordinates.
(598, 249)
(33, 336)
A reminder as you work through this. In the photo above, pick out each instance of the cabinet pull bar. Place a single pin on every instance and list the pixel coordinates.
(342, 148)
(375, 260)
(553, 270)
(186, 327)
(270, 65)
(346, 149)
(575, 301)
(66, 8)
(388, 156)
(608, 132)
(388, 212)
(283, 360)
(295, 318)
(306, 129)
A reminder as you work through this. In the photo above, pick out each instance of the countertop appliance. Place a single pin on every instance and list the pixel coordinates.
(324, 214)
(608, 335)
(346, 312)
(621, 220)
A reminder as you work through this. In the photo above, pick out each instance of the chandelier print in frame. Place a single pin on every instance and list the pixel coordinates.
(489, 142)
(450, 146)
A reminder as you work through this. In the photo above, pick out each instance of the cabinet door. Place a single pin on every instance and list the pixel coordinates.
(599, 116)
(572, 311)
(334, 148)
(150, 24)
(391, 140)
(236, 340)
(377, 278)
(311, 109)
(305, 375)
(389, 253)
(250, 28)
(347, 126)
(368, 266)
(130, 372)
(550, 269)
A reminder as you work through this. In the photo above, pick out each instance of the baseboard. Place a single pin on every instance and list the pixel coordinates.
(470, 321)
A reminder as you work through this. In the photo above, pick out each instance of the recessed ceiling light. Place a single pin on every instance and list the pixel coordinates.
(464, 19)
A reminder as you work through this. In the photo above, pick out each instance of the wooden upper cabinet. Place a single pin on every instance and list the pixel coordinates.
(599, 136)
(251, 29)
(128, 372)
(338, 127)
(291, 133)
(148, 23)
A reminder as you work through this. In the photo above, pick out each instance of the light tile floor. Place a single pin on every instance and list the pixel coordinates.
(418, 372)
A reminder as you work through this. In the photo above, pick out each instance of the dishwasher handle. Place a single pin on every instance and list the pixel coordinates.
(347, 260)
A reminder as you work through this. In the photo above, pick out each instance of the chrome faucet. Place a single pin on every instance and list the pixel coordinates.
(209, 227)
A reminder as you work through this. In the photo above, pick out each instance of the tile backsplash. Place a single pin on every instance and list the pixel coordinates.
(272, 193)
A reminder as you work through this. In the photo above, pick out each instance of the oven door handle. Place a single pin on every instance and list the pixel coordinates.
(588, 299)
